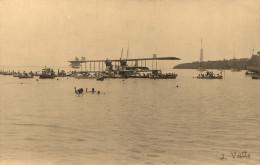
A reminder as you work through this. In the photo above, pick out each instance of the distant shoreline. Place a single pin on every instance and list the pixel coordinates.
(220, 64)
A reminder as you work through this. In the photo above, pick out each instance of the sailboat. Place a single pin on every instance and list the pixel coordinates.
(201, 67)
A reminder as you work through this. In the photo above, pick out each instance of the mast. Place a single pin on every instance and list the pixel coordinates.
(122, 53)
(201, 54)
(234, 59)
(127, 51)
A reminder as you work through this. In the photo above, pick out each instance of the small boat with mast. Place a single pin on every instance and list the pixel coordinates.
(26, 75)
(210, 75)
(47, 73)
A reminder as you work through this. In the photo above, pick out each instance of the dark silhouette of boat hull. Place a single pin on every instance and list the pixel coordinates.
(165, 77)
(47, 76)
(100, 78)
(24, 76)
(216, 77)
(256, 77)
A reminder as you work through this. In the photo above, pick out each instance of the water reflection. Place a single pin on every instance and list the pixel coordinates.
(136, 121)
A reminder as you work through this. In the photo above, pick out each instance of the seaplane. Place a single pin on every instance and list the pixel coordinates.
(119, 68)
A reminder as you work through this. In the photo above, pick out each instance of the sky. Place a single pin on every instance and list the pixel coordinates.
(48, 32)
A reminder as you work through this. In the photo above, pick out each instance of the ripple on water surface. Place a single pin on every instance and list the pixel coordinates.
(136, 121)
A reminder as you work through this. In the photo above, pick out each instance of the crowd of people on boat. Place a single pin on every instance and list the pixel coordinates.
(164, 76)
(104, 74)
(208, 75)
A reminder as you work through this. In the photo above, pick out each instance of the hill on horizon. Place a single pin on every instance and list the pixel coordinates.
(220, 64)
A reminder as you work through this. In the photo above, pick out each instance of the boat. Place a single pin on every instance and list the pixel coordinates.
(249, 73)
(7, 73)
(159, 75)
(165, 76)
(100, 78)
(61, 73)
(210, 75)
(71, 74)
(256, 76)
(47, 73)
(84, 75)
(26, 75)
(16, 74)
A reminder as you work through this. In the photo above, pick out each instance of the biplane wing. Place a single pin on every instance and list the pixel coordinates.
(133, 59)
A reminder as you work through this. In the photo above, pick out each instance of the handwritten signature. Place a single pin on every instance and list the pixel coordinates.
(236, 155)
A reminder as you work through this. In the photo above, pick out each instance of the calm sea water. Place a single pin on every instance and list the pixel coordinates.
(132, 121)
